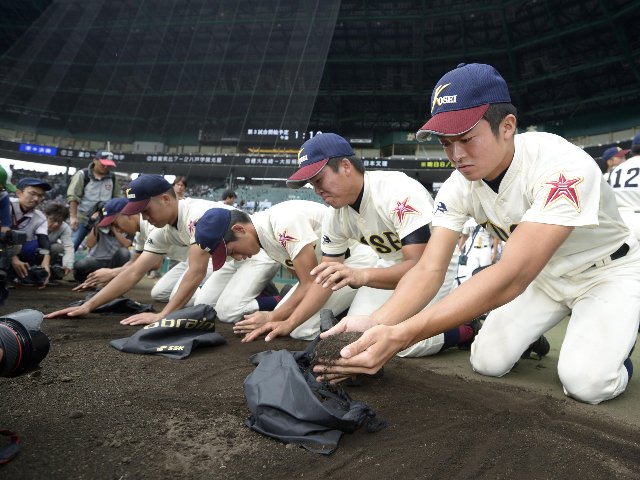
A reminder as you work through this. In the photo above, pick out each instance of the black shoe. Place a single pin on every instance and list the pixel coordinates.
(270, 290)
(284, 290)
(475, 325)
(540, 347)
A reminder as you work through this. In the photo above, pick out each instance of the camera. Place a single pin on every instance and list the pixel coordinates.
(37, 275)
(7, 240)
(13, 237)
(57, 272)
(24, 345)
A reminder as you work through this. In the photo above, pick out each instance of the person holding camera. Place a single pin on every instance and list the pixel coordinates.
(88, 188)
(108, 245)
(5, 205)
(62, 253)
(31, 265)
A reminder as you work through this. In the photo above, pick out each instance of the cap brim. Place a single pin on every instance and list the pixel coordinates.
(107, 220)
(131, 208)
(106, 162)
(10, 187)
(455, 122)
(622, 153)
(219, 256)
(303, 175)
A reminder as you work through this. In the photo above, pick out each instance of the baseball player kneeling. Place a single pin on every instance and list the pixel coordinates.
(567, 250)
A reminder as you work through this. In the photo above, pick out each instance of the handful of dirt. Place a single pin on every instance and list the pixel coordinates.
(328, 349)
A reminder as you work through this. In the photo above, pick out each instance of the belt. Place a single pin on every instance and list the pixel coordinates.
(621, 252)
(483, 246)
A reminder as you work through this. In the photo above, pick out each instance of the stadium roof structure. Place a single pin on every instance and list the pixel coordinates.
(267, 73)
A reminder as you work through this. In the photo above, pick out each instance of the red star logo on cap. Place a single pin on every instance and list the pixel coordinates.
(284, 237)
(564, 187)
(402, 209)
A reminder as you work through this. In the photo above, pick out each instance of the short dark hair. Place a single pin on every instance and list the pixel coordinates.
(229, 193)
(237, 216)
(57, 210)
(496, 113)
(181, 180)
(354, 160)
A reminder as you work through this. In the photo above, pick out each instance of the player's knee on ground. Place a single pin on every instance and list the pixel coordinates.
(491, 360)
(160, 294)
(309, 330)
(591, 381)
(231, 308)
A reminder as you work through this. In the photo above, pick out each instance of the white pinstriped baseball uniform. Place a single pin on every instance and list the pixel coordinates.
(393, 206)
(625, 181)
(284, 230)
(551, 181)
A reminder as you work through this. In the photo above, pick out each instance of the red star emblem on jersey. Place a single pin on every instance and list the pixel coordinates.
(402, 209)
(284, 237)
(564, 187)
(192, 226)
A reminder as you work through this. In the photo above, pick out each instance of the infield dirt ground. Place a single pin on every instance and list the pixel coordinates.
(92, 412)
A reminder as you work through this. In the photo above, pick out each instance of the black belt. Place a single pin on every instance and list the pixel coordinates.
(621, 252)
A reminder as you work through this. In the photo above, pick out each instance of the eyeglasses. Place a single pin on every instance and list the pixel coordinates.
(34, 194)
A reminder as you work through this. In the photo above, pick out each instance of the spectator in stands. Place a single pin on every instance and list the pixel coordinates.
(613, 157)
(35, 252)
(108, 246)
(229, 197)
(6, 187)
(180, 187)
(61, 244)
(87, 189)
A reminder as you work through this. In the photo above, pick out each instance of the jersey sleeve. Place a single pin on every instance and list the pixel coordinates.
(334, 240)
(410, 208)
(157, 242)
(451, 208)
(566, 193)
(293, 233)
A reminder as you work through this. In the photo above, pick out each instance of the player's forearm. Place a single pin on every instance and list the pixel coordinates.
(285, 309)
(312, 302)
(120, 284)
(413, 292)
(481, 293)
(188, 286)
(389, 277)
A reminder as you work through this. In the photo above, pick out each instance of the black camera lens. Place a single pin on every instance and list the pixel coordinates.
(23, 348)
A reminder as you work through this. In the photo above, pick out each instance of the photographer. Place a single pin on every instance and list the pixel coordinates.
(62, 254)
(5, 204)
(87, 188)
(108, 245)
(32, 264)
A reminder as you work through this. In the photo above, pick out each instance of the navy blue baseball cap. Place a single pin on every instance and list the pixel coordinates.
(141, 190)
(33, 182)
(462, 97)
(614, 152)
(111, 210)
(106, 158)
(210, 231)
(314, 155)
(636, 140)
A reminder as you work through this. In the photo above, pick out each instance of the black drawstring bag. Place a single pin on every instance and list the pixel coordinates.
(176, 335)
(117, 305)
(287, 403)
